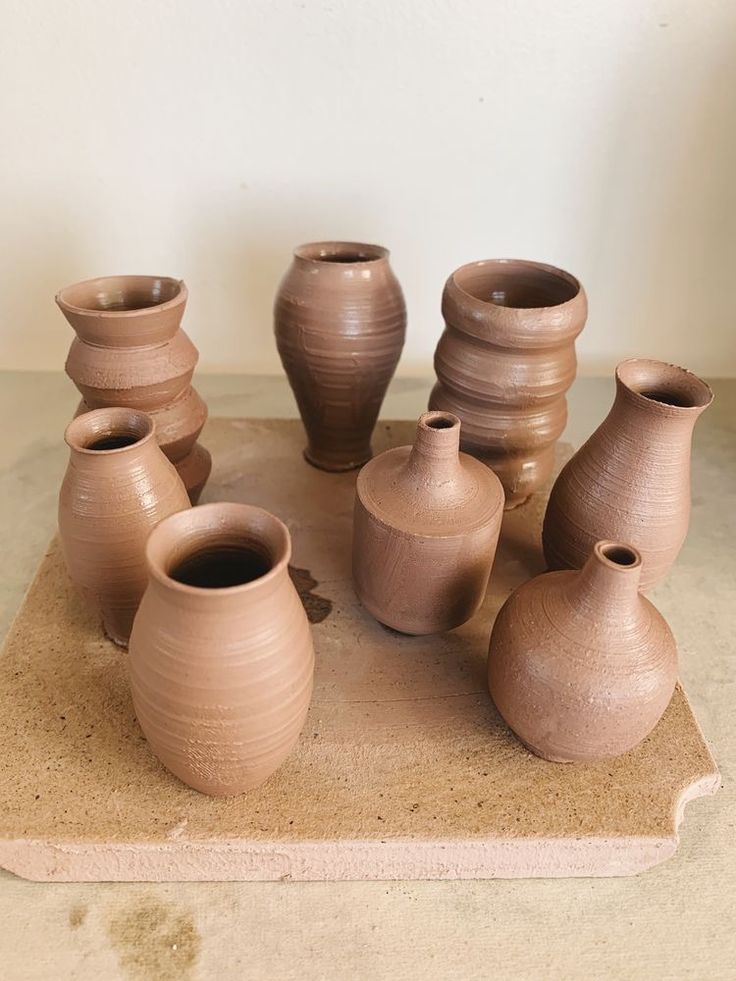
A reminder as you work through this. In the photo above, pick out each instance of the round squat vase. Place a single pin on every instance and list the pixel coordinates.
(631, 480)
(504, 363)
(221, 653)
(426, 525)
(580, 665)
(340, 321)
(117, 487)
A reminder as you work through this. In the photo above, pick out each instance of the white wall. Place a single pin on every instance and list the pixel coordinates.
(205, 138)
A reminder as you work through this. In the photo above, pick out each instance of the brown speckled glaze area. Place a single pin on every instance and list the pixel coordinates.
(117, 487)
(631, 480)
(130, 351)
(580, 665)
(221, 653)
(426, 525)
(504, 362)
(340, 321)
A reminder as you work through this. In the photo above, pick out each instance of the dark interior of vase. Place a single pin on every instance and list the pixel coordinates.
(121, 293)
(665, 383)
(518, 285)
(620, 554)
(218, 566)
(114, 441)
(341, 252)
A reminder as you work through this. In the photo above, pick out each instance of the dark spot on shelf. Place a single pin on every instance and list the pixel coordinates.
(318, 608)
(77, 916)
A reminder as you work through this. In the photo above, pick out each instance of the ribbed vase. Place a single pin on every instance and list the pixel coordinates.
(504, 363)
(130, 351)
(426, 524)
(221, 652)
(117, 487)
(339, 320)
(580, 665)
(631, 480)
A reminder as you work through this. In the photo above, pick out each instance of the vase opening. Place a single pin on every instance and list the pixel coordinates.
(517, 284)
(617, 554)
(121, 294)
(440, 420)
(221, 566)
(664, 383)
(340, 252)
(108, 430)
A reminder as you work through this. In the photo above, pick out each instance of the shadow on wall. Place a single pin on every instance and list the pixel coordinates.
(670, 170)
(244, 254)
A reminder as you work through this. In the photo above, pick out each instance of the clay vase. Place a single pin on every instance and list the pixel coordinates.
(504, 362)
(426, 525)
(631, 480)
(130, 351)
(580, 665)
(339, 320)
(221, 653)
(117, 487)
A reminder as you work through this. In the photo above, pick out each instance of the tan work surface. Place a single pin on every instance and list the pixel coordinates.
(404, 770)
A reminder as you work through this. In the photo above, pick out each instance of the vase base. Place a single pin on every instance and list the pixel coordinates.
(335, 466)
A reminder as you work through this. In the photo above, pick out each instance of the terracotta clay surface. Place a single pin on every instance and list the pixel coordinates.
(339, 320)
(221, 655)
(631, 480)
(504, 362)
(130, 351)
(117, 487)
(404, 769)
(580, 665)
(425, 530)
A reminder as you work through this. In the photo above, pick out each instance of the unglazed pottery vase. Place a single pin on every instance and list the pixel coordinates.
(117, 487)
(340, 320)
(504, 363)
(221, 654)
(580, 665)
(631, 480)
(426, 525)
(130, 351)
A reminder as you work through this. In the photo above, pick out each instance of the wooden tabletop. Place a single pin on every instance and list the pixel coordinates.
(675, 921)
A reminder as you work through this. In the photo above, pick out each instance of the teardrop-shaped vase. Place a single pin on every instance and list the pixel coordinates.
(339, 320)
(117, 487)
(631, 480)
(580, 665)
(426, 525)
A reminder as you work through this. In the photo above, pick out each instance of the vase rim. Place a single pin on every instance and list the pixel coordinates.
(70, 298)
(553, 274)
(335, 252)
(664, 386)
(203, 526)
(109, 423)
(616, 555)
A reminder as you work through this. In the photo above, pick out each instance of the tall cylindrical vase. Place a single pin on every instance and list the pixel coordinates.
(117, 487)
(631, 480)
(221, 652)
(130, 351)
(339, 320)
(504, 362)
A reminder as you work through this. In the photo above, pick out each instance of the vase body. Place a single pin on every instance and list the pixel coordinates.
(340, 321)
(504, 363)
(631, 480)
(580, 665)
(221, 653)
(130, 351)
(426, 525)
(117, 487)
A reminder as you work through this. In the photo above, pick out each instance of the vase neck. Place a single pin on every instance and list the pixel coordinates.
(113, 440)
(435, 456)
(608, 583)
(663, 397)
